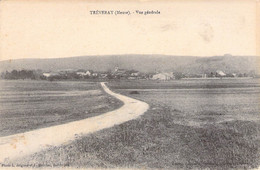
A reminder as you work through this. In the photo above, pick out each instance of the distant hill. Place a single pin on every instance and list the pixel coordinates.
(144, 63)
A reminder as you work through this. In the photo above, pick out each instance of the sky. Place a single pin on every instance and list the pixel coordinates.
(54, 29)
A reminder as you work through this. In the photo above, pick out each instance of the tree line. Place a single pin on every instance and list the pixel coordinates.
(20, 74)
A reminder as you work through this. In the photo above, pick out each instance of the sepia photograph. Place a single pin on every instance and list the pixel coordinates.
(135, 84)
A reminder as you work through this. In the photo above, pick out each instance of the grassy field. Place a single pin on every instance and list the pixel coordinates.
(185, 84)
(27, 105)
(208, 124)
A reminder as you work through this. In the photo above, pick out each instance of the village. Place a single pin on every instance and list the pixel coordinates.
(118, 73)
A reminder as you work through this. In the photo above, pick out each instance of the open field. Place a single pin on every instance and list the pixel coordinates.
(23, 144)
(27, 105)
(202, 124)
(185, 84)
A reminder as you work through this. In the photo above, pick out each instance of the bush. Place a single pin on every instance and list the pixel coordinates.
(134, 92)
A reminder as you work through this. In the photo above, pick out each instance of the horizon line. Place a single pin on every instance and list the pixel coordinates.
(105, 55)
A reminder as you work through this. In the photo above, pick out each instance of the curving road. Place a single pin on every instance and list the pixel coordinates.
(19, 145)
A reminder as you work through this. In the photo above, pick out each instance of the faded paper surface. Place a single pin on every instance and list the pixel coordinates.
(66, 28)
(194, 28)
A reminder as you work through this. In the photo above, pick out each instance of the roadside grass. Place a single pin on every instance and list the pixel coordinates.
(155, 140)
(28, 105)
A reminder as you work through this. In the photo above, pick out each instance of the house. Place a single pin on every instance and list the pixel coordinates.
(50, 74)
(132, 77)
(95, 74)
(234, 74)
(103, 75)
(135, 74)
(119, 71)
(220, 73)
(82, 73)
(204, 76)
(132, 74)
(46, 74)
(163, 76)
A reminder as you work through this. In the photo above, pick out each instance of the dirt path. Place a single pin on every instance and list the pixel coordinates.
(19, 145)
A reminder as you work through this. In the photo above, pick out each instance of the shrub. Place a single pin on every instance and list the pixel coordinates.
(134, 92)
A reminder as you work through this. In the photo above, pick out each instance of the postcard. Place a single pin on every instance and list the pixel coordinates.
(136, 84)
